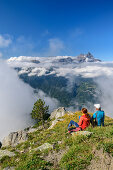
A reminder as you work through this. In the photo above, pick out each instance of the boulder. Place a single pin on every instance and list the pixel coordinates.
(85, 133)
(61, 111)
(9, 168)
(54, 122)
(31, 129)
(6, 153)
(44, 146)
(15, 138)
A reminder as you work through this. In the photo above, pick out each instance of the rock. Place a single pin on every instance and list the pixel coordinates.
(55, 157)
(54, 122)
(59, 142)
(61, 111)
(31, 130)
(43, 147)
(9, 168)
(15, 138)
(101, 160)
(85, 133)
(6, 153)
(70, 113)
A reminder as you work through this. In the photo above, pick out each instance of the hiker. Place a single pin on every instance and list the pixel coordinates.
(98, 116)
(84, 122)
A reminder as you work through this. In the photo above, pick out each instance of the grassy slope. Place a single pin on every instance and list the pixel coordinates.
(79, 148)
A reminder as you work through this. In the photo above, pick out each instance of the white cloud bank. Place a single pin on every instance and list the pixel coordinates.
(5, 41)
(101, 72)
(16, 101)
(52, 102)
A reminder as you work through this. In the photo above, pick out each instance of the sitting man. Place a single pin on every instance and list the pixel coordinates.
(98, 115)
(83, 122)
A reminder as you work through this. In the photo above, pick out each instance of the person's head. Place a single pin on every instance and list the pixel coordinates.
(97, 106)
(84, 111)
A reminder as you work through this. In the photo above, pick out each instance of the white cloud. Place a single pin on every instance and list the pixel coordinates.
(52, 102)
(16, 101)
(55, 46)
(101, 73)
(5, 41)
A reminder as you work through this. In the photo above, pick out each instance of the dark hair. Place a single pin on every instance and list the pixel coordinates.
(84, 110)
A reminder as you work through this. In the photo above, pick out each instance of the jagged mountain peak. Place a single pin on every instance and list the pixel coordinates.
(87, 58)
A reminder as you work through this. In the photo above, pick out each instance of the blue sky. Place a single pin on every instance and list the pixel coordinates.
(56, 27)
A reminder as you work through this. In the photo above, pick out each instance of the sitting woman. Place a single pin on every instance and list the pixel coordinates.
(83, 122)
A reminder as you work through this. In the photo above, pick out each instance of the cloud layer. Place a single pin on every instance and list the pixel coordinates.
(16, 101)
(100, 72)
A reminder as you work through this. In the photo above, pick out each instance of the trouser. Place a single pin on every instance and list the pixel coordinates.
(73, 123)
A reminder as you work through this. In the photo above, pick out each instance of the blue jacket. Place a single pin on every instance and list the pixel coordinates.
(100, 117)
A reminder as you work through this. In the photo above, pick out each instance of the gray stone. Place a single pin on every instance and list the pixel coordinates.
(31, 130)
(15, 138)
(9, 168)
(44, 146)
(85, 133)
(54, 122)
(70, 113)
(101, 161)
(6, 153)
(61, 111)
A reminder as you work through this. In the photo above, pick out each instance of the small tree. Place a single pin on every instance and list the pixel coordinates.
(40, 111)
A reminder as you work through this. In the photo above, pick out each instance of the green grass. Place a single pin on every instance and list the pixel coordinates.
(78, 148)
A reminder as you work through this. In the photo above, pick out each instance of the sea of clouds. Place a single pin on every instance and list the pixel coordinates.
(100, 72)
(17, 98)
(16, 101)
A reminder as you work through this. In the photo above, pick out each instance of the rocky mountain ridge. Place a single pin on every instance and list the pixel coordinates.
(54, 60)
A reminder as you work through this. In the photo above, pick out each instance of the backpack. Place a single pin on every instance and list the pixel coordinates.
(94, 122)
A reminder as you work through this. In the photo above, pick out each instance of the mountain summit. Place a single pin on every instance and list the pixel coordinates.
(86, 58)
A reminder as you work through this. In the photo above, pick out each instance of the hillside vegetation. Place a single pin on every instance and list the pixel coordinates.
(68, 152)
(82, 90)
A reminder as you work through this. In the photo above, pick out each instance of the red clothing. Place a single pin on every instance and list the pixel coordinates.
(84, 121)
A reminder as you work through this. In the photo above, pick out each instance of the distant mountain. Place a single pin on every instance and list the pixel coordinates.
(55, 59)
(60, 77)
(87, 58)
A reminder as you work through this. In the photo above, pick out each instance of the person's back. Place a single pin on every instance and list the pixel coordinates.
(84, 121)
(100, 117)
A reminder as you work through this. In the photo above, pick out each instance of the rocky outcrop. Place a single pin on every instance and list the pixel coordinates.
(6, 153)
(9, 168)
(61, 111)
(31, 130)
(85, 133)
(101, 160)
(44, 146)
(54, 122)
(15, 138)
(18, 137)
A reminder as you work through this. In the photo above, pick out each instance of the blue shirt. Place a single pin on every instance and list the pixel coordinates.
(100, 117)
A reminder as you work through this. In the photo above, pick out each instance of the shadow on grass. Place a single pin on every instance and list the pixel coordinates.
(108, 124)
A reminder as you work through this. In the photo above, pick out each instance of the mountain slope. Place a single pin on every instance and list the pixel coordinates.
(77, 152)
(59, 77)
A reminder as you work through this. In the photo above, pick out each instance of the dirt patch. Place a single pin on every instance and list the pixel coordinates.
(55, 157)
(102, 161)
